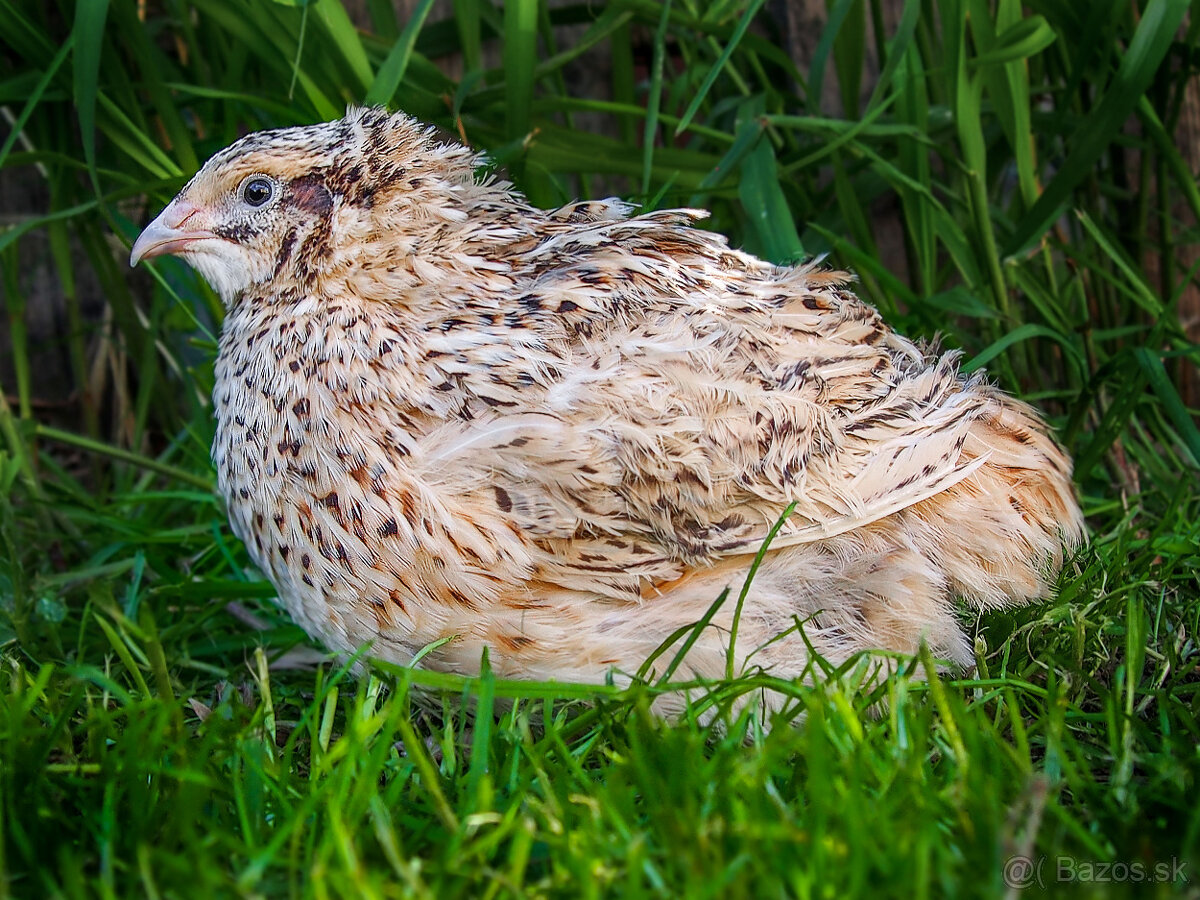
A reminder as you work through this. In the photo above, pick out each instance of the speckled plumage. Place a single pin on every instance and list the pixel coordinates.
(560, 434)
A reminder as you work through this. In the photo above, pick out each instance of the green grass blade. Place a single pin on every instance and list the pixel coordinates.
(623, 78)
(136, 143)
(520, 56)
(122, 649)
(18, 332)
(35, 97)
(383, 19)
(849, 55)
(1160, 382)
(816, 70)
(1164, 144)
(606, 25)
(1016, 336)
(745, 591)
(143, 462)
(12, 234)
(391, 73)
(1025, 38)
(913, 162)
(748, 135)
(897, 50)
(766, 207)
(87, 35)
(654, 97)
(334, 17)
(1149, 46)
(1135, 280)
(22, 34)
(469, 22)
(844, 134)
(151, 63)
(715, 70)
(693, 633)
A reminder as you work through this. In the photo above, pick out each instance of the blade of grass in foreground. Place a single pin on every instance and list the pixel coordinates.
(745, 591)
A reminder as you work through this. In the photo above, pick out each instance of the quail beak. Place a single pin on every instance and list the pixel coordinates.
(172, 232)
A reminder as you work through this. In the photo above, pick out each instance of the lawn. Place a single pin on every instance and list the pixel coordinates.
(1012, 180)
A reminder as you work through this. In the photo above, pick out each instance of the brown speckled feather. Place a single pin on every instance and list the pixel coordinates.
(442, 412)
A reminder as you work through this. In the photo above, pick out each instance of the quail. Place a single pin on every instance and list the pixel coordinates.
(443, 413)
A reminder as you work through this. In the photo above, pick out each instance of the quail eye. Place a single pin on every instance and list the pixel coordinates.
(257, 191)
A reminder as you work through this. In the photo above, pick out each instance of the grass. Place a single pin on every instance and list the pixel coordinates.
(154, 743)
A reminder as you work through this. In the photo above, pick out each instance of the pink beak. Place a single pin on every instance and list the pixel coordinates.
(169, 233)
